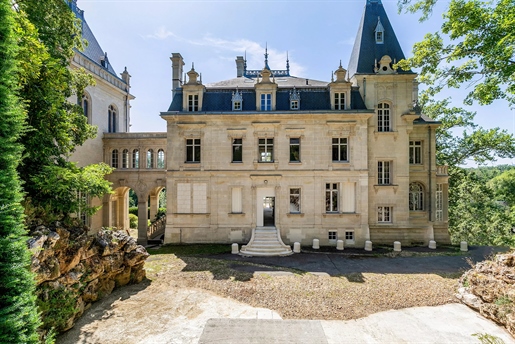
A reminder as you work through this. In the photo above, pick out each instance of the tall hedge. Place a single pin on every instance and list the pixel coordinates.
(18, 314)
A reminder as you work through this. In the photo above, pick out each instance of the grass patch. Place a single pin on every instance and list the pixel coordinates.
(192, 250)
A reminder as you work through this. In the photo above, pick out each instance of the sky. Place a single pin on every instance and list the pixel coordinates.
(142, 35)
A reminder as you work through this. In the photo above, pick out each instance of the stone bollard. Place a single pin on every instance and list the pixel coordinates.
(397, 246)
(339, 245)
(296, 247)
(432, 244)
(463, 246)
(316, 244)
(368, 245)
(235, 248)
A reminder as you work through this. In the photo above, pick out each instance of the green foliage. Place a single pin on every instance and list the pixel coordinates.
(133, 200)
(162, 199)
(59, 186)
(475, 47)
(18, 314)
(133, 221)
(133, 211)
(161, 212)
(57, 306)
(504, 187)
(474, 214)
(48, 33)
(486, 338)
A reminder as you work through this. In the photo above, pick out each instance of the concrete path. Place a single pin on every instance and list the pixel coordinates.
(453, 323)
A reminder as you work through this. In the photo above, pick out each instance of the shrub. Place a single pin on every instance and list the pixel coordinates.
(133, 221)
(133, 211)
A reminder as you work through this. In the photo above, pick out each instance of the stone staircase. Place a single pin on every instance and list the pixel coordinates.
(265, 242)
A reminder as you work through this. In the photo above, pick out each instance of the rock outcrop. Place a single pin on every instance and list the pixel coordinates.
(489, 288)
(74, 269)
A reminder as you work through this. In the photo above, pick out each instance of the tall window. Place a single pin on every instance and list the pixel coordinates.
(266, 102)
(331, 197)
(384, 214)
(416, 196)
(150, 158)
(193, 102)
(384, 172)
(439, 202)
(125, 158)
(112, 119)
(383, 117)
(114, 158)
(340, 148)
(86, 105)
(237, 153)
(295, 200)
(415, 152)
(160, 158)
(193, 150)
(339, 101)
(295, 149)
(135, 158)
(266, 150)
(236, 204)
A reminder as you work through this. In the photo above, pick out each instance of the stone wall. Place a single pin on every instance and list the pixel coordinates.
(74, 269)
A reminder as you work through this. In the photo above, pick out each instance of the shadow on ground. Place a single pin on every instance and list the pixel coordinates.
(350, 265)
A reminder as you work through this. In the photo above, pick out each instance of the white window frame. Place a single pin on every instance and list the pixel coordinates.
(332, 196)
(415, 152)
(416, 197)
(341, 146)
(384, 118)
(339, 100)
(349, 237)
(266, 102)
(267, 155)
(161, 163)
(295, 200)
(125, 158)
(194, 145)
(192, 102)
(384, 214)
(292, 145)
(332, 235)
(384, 172)
(439, 202)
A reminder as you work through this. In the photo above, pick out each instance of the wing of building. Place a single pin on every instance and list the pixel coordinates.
(267, 159)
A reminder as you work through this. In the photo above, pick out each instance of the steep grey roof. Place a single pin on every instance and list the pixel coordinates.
(219, 100)
(284, 81)
(366, 50)
(92, 51)
(423, 119)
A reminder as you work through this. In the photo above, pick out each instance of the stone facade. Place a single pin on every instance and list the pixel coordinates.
(349, 159)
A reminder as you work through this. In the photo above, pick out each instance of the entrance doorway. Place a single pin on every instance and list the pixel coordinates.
(269, 211)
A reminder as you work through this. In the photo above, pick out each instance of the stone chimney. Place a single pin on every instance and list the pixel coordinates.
(240, 66)
(177, 63)
(126, 77)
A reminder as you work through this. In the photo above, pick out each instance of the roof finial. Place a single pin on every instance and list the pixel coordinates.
(266, 56)
(245, 63)
(287, 63)
(192, 66)
(332, 76)
(340, 64)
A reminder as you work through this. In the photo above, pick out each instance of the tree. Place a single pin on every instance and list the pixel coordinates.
(475, 47)
(55, 125)
(18, 313)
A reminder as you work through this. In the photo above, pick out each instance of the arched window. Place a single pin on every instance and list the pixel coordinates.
(114, 158)
(160, 158)
(416, 196)
(112, 117)
(125, 158)
(150, 158)
(135, 158)
(384, 122)
(86, 106)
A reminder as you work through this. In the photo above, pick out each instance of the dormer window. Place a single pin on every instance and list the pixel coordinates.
(237, 100)
(379, 32)
(294, 100)
(379, 37)
(266, 102)
(193, 102)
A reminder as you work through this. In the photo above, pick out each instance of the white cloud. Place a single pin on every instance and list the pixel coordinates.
(161, 34)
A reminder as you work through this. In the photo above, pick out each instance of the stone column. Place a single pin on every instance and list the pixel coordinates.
(154, 205)
(107, 210)
(142, 220)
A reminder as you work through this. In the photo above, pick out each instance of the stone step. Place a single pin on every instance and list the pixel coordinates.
(265, 242)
